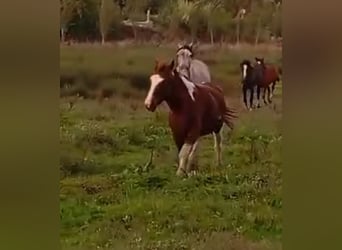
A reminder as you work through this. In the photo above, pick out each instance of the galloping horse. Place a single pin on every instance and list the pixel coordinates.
(270, 76)
(195, 110)
(251, 76)
(195, 70)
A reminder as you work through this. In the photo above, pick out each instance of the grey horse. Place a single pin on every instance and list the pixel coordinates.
(193, 69)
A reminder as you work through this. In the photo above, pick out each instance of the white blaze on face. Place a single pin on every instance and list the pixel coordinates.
(155, 80)
(258, 62)
(190, 86)
(244, 71)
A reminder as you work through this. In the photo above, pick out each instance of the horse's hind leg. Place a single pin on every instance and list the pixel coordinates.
(269, 96)
(273, 88)
(264, 94)
(218, 147)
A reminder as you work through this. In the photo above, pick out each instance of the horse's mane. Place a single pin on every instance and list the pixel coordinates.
(190, 86)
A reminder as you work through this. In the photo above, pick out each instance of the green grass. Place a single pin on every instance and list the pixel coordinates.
(123, 71)
(109, 199)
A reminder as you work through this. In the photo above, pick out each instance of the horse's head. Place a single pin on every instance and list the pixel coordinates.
(258, 71)
(245, 66)
(160, 84)
(183, 58)
(259, 60)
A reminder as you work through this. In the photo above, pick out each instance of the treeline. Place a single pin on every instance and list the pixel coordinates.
(234, 21)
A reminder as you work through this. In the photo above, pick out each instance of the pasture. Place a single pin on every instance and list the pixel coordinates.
(113, 196)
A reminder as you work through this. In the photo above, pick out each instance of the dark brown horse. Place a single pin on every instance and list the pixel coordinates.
(251, 77)
(271, 75)
(195, 110)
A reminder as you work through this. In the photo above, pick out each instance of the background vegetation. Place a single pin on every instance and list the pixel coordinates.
(215, 21)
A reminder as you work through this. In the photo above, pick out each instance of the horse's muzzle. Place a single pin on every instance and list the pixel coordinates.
(150, 107)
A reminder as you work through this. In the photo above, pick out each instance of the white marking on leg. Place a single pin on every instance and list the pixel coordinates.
(155, 80)
(190, 86)
(244, 71)
(192, 157)
(183, 158)
(218, 147)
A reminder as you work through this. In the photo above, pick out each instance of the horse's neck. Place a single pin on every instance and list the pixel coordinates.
(187, 76)
(179, 97)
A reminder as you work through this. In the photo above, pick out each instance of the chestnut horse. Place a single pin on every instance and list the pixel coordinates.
(195, 110)
(270, 76)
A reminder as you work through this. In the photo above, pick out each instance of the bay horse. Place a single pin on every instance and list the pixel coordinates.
(195, 110)
(194, 69)
(270, 76)
(251, 76)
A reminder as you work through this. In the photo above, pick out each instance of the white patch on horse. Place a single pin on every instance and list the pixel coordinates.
(155, 80)
(244, 71)
(190, 86)
(183, 158)
(258, 62)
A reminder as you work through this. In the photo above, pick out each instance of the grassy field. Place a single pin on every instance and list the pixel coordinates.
(110, 198)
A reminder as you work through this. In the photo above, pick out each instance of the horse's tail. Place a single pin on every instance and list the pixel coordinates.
(228, 114)
(280, 72)
(228, 117)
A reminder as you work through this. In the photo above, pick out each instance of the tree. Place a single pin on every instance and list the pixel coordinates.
(135, 10)
(223, 22)
(276, 20)
(208, 11)
(239, 17)
(218, 20)
(85, 19)
(67, 12)
(107, 15)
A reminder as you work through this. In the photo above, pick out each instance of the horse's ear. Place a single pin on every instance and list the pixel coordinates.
(172, 64)
(180, 45)
(174, 72)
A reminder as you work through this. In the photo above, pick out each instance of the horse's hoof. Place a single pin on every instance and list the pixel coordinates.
(180, 173)
(192, 173)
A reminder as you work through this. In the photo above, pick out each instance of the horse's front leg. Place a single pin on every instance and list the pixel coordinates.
(258, 95)
(244, 91)
(183, 157)
(251, 98)
(187, 153)
(192, 164)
